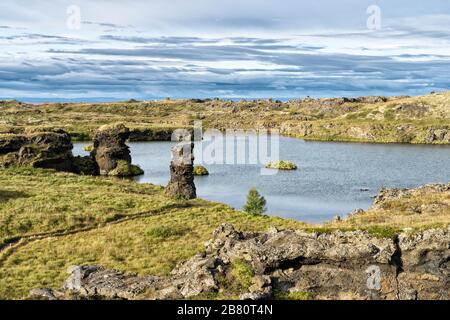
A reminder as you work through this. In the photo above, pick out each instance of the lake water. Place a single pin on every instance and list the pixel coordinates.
(332, 178)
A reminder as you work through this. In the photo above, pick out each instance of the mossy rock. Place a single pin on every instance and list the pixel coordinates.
(282, 165)
(85, 166)
(125, 169)
(200, 171)
(88, 148)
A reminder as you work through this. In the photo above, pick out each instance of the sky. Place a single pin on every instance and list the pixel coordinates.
(100, 50)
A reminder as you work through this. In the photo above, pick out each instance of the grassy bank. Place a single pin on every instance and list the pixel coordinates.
(159, 233)
(134, 227)
(382, 120)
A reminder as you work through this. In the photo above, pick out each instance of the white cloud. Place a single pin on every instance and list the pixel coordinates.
(229, 48)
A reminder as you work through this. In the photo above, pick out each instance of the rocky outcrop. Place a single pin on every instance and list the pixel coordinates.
(53, 150)
(49, 150)
(152, 134)
(441, 135)
(386, 195)
(111, 153)
(338, 265)
(181, 184)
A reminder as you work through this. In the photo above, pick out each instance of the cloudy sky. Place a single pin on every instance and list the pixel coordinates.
(149, 49)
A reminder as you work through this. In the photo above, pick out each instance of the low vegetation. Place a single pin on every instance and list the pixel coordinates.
(373, 119)
(124, 169)
(423, 209)
(282, 165)
(241, 276)
(200, 171)
(88, 148)
(293, 295)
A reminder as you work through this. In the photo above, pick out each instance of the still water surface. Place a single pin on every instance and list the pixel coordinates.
(332, 178)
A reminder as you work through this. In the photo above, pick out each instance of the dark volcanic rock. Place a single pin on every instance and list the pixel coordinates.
(50, 150)
(181, 184)
(110, 152)
(53, 150)
(85, 166)
(110, 147)
(338, 265)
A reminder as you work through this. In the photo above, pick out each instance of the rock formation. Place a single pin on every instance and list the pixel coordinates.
(338, 265)
(441, 135)
(389, 194)
(53, 150)
(49, 150)
(181, 184)
(111, 153)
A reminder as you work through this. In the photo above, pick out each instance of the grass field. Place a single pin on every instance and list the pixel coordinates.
(55, 220)
(63, 219)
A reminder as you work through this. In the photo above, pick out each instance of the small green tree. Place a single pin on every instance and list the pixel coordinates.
(256, 204)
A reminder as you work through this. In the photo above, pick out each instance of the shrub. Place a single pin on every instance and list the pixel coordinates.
(256, 204)
(282, 165)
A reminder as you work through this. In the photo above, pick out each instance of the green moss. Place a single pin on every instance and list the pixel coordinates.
(282, 165)
(124, 169)
(54, 201)
(136, 170)
(85, 166)
(241, 274)
(200, 171)
(88, 148)
(294, 295)
(383, 232)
